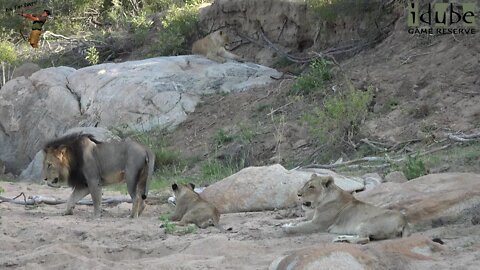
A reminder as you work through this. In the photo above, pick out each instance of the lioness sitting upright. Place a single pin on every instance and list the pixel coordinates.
(213, 47)
(85, 164)
(338, 212)
(191, 208)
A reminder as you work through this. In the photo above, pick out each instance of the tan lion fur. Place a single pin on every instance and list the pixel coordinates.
(338, 212)
(191, 208)
(213, 47)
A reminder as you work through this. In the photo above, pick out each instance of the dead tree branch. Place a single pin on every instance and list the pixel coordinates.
(388, 160)
(39, 199)
(464, 138)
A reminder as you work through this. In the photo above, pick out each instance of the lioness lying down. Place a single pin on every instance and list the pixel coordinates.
(336, 211)
(191, 208)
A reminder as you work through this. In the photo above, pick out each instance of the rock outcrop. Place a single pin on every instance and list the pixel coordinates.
(431, 200)
(136, 95)
(267, 188)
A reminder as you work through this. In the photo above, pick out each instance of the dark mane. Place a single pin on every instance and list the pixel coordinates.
(73, 144)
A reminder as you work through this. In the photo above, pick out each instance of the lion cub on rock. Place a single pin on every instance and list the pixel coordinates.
(191, 208)
(213, 47)
(336, 211)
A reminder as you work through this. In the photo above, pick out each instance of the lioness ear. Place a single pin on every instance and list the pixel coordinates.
(174, 187)
(191, 185)
(329, 181)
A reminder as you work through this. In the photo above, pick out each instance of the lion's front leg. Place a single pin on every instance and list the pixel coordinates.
(77, 194)
(302, 227)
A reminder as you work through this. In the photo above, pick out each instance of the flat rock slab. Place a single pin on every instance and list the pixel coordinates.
(134, 95)
(266, 188)
(432, 199)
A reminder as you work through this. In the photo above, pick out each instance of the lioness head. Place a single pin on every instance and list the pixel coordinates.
(220, 37)
(181, 189)
(312, 193)
(56, 166)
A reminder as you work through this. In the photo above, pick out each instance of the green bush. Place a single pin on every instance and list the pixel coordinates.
(414, 167)
(314, 79)
(329, 10)
(215, 170)
(246, 134)
(168, 225)
(179, 27)
(340, 117)
(2, 190)
(221, 137)
(92, 56)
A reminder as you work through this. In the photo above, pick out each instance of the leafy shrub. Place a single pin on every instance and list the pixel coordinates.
(246, 134)
(180, 25)
(314, 80)
(414, 167)
(340, 117)
(168, 225)
(221, 137)
(329, 10)
(214, 170)
(92, 56)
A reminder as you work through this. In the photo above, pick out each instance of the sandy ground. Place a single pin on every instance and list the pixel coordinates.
(41, 238)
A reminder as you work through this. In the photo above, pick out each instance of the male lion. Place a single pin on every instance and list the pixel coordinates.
(213, 47)
(191, 208)
(85, 164)
(338, 212)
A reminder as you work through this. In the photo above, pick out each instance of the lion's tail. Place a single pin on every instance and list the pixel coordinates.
(147, 171)
(145, 175)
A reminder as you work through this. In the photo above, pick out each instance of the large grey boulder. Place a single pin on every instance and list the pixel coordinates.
(33, 172)
(136, 95)
(431, 200)
(267, 188)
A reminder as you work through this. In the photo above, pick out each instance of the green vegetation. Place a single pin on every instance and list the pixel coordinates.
(339, 119)
(92, 56)
(8, 57)
(314, 80)
(180, 26)
(171, 228)
(221, 137)
(113, 27)
(168, 225)
(330, 10)
(414, 167)
(2, 190)
(246, 133)
(214, 170)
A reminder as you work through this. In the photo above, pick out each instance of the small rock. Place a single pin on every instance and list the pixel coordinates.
(396, 177)
(372, 180)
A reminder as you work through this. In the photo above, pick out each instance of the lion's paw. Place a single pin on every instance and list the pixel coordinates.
(286, 227)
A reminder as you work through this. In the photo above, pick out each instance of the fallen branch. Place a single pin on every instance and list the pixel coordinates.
(279, 108)
(464, 138)
(38, 199)
(342, 164)
(354, 163)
